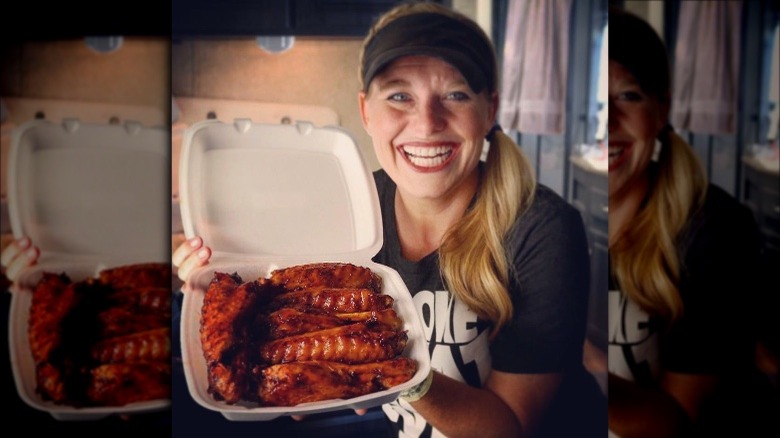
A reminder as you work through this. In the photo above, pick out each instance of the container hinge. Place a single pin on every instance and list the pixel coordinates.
(304, 128)
(242, 125)
(70, 125)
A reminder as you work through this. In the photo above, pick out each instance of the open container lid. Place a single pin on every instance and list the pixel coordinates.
(91, 197)
(91, 193)
(258, 190)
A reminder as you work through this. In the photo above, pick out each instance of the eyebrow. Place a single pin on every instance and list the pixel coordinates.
(383, 86)
(627, 83)
(627, 79)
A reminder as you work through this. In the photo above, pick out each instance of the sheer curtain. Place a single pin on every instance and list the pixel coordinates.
(706, 67)
(534, 77)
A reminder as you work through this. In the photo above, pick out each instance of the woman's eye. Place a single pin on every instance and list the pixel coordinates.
(457, 95)
(398, 97)
(630, 96)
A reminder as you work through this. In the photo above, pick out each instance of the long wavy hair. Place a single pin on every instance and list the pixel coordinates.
(472, 257)
(646, 262)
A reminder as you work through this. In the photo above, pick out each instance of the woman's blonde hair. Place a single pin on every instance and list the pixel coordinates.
(645, 259)
(472, 257)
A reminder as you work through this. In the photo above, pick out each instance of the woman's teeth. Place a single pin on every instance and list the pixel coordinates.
(614, 153)
(427, 156)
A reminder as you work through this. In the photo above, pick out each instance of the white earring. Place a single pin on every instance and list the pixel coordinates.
(656, 150)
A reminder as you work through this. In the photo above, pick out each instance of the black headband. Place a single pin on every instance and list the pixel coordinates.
(437, 35)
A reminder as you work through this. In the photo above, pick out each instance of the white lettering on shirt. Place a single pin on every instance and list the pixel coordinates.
(455, 345)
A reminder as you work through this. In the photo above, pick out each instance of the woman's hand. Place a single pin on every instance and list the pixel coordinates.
(20, 254)
(190, 255)
(509, 405)
(638, 411)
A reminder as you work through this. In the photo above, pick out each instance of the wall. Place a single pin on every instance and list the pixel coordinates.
(315, 71)
(478, 10)
(135, 74)
(650, 10)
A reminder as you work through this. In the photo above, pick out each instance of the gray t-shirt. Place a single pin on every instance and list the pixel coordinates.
(549, 288)
(715, 335)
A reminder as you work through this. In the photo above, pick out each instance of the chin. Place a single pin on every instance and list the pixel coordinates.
(418, 192)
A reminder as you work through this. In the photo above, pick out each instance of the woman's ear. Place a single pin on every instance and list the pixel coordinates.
(493, 107)
(362, 106)
(666, 105)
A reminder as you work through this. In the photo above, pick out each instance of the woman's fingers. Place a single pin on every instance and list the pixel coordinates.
(185, 249)
(190, 255)
(194, 260)
(22, 253)
(13, 250)
(361, 412)
(19, 255)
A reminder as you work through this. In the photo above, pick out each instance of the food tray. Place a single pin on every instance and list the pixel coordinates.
(195, 364)
(265, 197)
(90, 197)
(23, 364)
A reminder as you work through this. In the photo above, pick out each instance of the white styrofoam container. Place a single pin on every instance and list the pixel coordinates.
(265, 197)
(91, 197)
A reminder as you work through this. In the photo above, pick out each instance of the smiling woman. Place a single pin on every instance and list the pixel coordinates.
(682, 259)
(474, 241)
(497, 264)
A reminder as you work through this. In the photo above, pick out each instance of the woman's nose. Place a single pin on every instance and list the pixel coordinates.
(431, 117)
(613, 116)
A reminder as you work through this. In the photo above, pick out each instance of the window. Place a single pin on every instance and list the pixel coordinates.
(602, 90)
(773, 92)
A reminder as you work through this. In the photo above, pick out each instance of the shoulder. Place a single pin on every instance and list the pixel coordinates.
(717, 200)
(550, 209)
(721, 227)
(549, 226)
(720, 214)
(384, 185)
(381, 179)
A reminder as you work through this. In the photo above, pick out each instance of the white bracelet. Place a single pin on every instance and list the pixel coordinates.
(417, 392)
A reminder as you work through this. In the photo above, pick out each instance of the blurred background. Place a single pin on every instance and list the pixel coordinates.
(726, 104)
(282, 61)
(78, 61)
